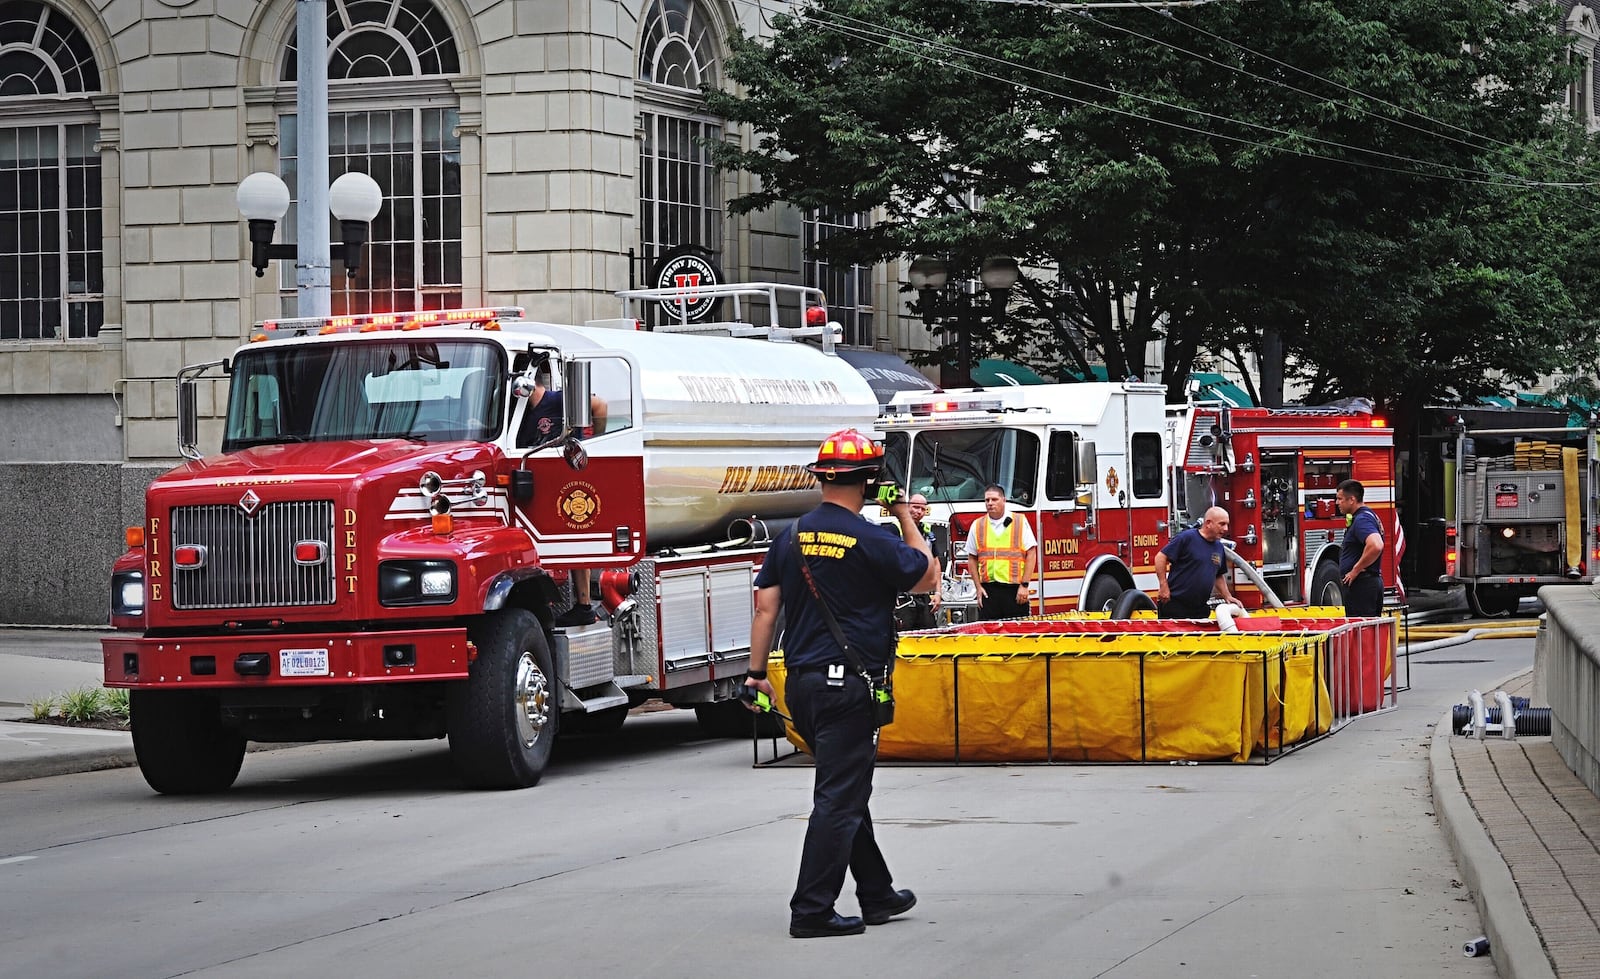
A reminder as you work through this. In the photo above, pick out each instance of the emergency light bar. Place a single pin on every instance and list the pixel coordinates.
(483, 318)
(942, 407)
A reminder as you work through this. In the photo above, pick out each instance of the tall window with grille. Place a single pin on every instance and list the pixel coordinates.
(847, 287)
(680, 194)
(406, 139)
(51, 264)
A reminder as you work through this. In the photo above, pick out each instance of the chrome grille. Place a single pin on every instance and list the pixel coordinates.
(250, 560)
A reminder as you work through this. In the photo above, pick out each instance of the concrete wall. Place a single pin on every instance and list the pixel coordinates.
(1567, 670)
(60, 529)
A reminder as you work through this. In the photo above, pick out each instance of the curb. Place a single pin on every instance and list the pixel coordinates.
(1515, 946)
(74, 762)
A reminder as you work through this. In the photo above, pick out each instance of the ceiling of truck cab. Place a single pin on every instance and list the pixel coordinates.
(885, 372)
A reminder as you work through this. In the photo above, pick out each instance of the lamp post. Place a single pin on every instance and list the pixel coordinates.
(939, 300)
(354, 198)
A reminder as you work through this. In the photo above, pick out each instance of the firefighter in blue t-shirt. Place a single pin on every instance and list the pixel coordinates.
(1193, 567)
(1359, 552)
(857, 568)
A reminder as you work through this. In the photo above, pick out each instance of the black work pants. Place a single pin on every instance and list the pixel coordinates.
(836, 722)
(1000, 601)
(1364, 597)
(1177, 608)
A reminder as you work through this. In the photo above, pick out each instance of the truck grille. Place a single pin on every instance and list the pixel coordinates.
(250, 561)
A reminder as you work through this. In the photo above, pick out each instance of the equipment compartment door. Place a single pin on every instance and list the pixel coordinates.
(586, 517)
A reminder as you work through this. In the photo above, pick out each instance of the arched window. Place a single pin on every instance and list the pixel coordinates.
(51, 267)
(680, 196)
(405, 138)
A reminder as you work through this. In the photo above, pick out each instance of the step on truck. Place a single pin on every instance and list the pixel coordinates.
(384, 542)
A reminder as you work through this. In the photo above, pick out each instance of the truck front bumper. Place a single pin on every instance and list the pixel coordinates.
(302, 659)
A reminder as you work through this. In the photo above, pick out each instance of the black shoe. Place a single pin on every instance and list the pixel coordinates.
(578, 615)
(877, 914)
(834, 924)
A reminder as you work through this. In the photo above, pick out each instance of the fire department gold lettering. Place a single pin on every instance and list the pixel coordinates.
(1058, 545)
(349, 538)
(350, 580)
(155, 591)
(350, 561)
(349, 516)
(1146, 540)
(155, 569)
(153, 540)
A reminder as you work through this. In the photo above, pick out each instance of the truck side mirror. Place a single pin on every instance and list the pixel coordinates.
(188, 420)
(575, 407)
(1085, 464)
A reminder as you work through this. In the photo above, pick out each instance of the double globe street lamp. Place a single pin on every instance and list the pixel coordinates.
(940, 300)
(353, 198)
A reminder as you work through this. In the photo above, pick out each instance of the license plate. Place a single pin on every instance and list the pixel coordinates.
(302, 662)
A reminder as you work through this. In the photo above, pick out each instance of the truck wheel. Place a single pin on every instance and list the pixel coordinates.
(502, 720)
(1327, 585)
(1102, 595)
(181, 743)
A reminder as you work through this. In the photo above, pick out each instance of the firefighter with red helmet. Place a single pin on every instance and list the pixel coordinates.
(856, 568)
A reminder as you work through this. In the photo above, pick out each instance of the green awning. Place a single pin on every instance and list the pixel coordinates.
(996, 373)
(1215, 386)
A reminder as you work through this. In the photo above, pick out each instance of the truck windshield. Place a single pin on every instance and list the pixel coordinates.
(954, 465)
(327, 392)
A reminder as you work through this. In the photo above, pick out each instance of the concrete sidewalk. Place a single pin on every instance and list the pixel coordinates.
(1526, 835)
(1524, 830)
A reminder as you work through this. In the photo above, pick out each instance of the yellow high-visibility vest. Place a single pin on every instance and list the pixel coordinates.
(1001, 556)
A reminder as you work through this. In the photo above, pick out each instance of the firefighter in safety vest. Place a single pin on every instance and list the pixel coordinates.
(1002, 557)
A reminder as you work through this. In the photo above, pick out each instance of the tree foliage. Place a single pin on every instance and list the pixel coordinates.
(1362, 184)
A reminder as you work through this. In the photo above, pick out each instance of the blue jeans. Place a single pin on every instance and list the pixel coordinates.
(836, 722)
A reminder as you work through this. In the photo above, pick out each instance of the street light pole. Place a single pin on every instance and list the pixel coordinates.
(940, 299)
(313, 259)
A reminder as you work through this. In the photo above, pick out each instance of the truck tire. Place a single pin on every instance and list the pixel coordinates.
(181, 743)
(502, 720)
(1102, 595)
(1327, 585)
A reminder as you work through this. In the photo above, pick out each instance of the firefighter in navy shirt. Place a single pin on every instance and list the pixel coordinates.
(1359, 552)
(1193, 567)
(858, 568)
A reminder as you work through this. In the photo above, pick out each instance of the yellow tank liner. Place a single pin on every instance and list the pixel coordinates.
(991, 692)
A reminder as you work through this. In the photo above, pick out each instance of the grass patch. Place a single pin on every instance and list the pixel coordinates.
(83, 707)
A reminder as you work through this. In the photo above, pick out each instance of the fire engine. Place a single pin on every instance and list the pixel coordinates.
(1106, 472)
(1522, 514)
(381, 546)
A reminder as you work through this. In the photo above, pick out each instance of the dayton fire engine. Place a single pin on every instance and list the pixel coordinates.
(378, 549)
(1107, 472)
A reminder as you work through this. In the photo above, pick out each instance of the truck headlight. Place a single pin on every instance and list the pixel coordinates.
(416, 582)
(127, 593)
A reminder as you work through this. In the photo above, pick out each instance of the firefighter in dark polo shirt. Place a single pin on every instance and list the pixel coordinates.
(858, 567)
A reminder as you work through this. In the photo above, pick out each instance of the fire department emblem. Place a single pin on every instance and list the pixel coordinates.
(249, 503)
(579, 504)
(1112, 482)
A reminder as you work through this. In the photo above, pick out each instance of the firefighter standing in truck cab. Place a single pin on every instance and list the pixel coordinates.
(1002, 557)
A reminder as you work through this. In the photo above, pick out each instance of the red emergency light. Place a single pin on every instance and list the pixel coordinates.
(189, 556)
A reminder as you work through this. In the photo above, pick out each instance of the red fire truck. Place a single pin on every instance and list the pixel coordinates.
(381, 546)
(1107, 472)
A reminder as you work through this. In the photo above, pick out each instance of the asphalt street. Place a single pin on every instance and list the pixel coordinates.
(659, 851)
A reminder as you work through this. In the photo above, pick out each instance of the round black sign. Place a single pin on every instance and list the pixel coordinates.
(688, 270)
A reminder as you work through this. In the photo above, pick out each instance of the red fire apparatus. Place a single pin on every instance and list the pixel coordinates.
(1107, 472)
(379, 548)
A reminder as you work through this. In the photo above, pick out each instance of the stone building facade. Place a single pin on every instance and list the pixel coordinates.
(524, 147)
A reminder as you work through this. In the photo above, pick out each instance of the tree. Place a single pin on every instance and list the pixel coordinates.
(1378, 219)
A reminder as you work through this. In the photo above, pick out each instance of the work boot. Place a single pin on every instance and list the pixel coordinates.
(877, 914)
(577, 615)
(825, 926)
